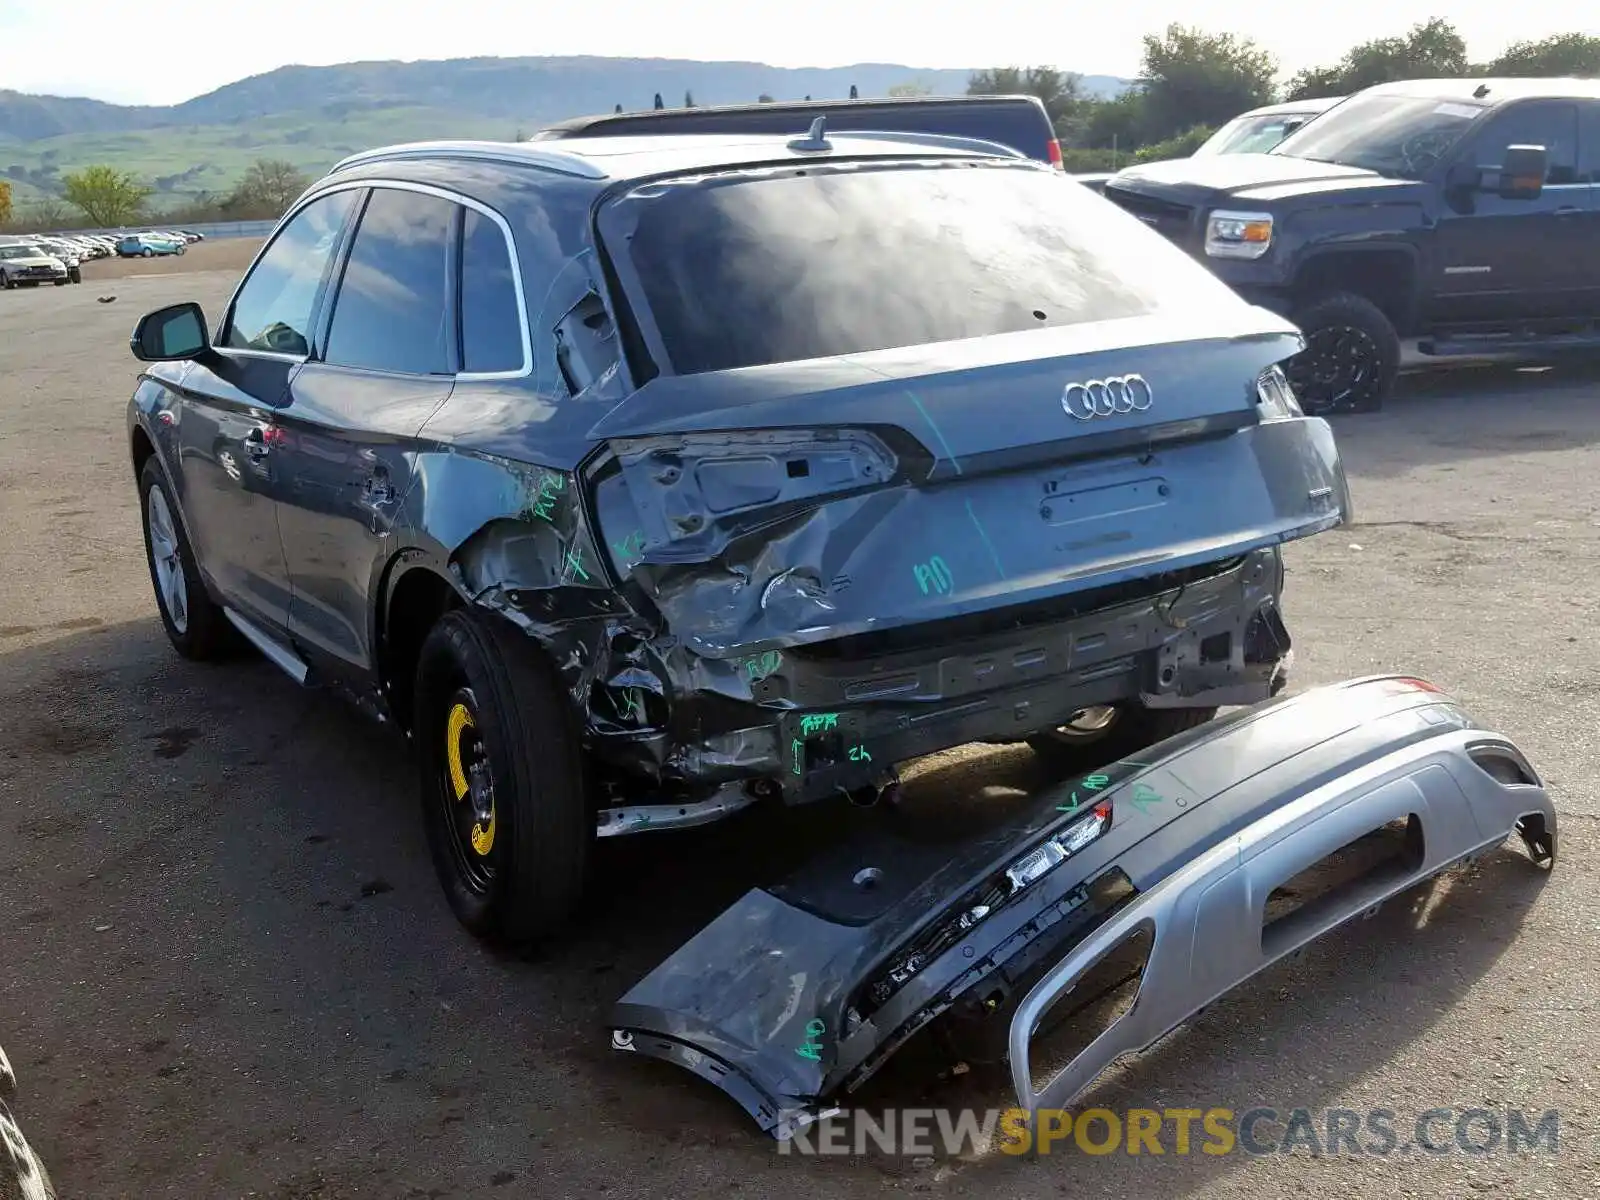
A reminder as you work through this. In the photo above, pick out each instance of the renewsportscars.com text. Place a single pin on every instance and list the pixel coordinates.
(1258, 1131)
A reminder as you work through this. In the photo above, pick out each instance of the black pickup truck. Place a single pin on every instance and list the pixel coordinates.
(1464, 213)
(1016, 121)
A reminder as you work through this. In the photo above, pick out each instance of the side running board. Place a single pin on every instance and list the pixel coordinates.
(279, 655)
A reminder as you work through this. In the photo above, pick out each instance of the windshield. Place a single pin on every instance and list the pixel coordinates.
(1383, 132)
(18, 252)
(777, 266)
(1252, 135)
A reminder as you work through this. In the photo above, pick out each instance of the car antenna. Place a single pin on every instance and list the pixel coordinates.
(1479, 92)
(816, 138)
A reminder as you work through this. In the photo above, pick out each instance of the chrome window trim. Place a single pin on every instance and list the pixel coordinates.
(426, 189)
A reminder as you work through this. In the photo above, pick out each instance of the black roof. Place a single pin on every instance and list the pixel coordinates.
(576, 125)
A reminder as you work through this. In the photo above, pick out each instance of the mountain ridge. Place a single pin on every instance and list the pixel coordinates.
(311, 116)
(527, 89)
(520, 88)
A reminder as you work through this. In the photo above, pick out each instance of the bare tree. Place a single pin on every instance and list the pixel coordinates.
(270, 186)
(47, 212)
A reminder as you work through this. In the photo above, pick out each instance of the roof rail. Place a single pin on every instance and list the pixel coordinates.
(502, 152)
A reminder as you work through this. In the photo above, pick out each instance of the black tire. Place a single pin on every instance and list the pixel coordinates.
(1351, 358)
(6, 281)
(1132, 729)
(61, 283)
(203, 631)
(517, 877)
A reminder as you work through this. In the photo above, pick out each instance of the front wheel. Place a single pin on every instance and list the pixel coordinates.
(1105, 733)
(6, 281)
(1351, 358)
(502, 781)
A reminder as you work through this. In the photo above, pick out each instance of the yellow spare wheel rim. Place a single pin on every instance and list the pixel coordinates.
(469, 776)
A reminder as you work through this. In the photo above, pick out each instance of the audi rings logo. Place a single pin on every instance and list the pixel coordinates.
(1103, 397)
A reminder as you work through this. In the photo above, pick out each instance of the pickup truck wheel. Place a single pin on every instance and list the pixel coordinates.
(1351, 357)
(195, 623)
(503, 792)
(1103, 734)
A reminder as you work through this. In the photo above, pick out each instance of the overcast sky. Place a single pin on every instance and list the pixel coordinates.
(164, 51)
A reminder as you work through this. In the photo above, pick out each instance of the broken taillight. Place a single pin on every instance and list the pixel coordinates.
(983, 902)
(1407, 683)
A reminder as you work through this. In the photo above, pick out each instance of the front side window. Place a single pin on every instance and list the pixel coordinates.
(776, 266)
(1551, 124)
(273, 309)
(1394, 135)
(392, 312)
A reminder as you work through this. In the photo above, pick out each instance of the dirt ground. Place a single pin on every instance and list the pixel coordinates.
(223, 254)
(228, 971)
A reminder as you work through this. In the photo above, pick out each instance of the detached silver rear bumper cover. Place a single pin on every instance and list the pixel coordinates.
(1206, 920)
(800, 991)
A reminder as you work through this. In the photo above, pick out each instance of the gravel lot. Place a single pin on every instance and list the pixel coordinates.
(228, 970)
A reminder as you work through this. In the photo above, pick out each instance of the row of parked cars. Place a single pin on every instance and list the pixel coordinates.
(33, 259)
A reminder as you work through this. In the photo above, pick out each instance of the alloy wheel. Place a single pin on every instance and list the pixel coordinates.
(166, 561)
(1340, 370)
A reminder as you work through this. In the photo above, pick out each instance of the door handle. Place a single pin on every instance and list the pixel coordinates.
(255, 444)
(376, 487)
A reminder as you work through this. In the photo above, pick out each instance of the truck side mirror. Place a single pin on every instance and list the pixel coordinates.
(1522, 172)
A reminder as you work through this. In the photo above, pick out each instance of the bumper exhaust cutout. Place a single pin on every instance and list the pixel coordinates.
(797, 994)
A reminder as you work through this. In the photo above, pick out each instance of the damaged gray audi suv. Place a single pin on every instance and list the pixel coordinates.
(640, 479)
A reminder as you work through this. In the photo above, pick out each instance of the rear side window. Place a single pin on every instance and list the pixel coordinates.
(273, 308)
(491, 321)
(1589, 142)
(393, 312)
(764, 267)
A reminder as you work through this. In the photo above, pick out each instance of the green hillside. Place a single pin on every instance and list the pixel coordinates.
(184, 162)
(313, 116)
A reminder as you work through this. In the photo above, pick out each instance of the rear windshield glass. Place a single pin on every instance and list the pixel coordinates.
(763, 267)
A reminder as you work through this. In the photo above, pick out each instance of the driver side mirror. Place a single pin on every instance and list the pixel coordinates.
(170, 334)
(1522, 172)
